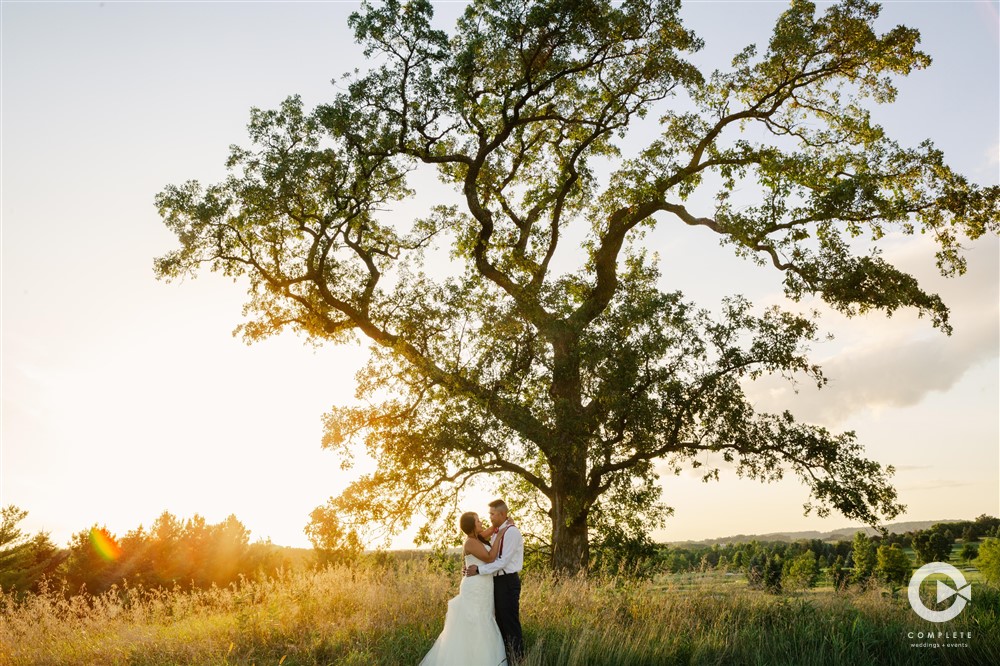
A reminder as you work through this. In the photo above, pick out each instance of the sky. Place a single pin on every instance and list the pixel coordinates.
(124, 396)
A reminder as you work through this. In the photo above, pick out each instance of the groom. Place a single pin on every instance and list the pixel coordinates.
(506, 582)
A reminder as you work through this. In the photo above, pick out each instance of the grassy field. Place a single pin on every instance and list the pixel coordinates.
(391, 614)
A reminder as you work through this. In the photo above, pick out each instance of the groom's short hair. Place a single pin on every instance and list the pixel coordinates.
(499, 504)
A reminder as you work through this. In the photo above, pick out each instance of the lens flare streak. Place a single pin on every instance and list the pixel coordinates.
(104, 544)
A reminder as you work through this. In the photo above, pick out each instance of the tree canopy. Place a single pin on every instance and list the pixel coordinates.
(24, 559)
(571, 385)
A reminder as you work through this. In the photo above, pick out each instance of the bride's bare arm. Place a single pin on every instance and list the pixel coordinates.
(494, 552)
(477, 548)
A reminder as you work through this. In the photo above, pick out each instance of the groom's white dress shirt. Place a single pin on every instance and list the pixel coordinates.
(511, 558)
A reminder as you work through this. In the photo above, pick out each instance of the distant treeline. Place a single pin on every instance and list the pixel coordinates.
(172, 552)
(779, 564)
(193, 553)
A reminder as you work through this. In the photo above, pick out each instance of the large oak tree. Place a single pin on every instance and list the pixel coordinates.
(489, 356)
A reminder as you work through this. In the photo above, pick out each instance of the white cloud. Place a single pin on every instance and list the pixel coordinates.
(896, 362)
(934, 484)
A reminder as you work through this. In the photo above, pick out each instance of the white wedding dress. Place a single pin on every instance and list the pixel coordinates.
(470, 636)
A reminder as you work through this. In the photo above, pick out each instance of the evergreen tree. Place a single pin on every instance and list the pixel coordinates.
(839, 574)
(864, 556)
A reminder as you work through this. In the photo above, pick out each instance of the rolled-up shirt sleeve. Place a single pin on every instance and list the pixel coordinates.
(512, 557)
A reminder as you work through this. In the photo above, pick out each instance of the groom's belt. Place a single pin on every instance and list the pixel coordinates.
(506, 573)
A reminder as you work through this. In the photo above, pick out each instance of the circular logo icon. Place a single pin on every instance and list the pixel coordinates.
(962, 592)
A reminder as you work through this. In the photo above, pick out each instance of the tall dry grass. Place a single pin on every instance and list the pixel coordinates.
(391, 614)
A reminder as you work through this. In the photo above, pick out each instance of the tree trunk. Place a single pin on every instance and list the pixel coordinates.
(570, 544)
(570, 500)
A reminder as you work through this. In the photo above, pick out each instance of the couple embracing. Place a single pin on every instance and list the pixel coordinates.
(483, 624)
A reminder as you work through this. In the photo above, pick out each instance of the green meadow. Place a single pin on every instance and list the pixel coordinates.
(389, 611)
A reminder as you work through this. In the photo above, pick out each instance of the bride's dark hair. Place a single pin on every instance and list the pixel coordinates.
(468, 525)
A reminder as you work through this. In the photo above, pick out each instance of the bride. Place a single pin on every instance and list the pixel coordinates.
(471, 635)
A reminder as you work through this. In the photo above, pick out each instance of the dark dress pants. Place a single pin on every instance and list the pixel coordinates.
(507, 601)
